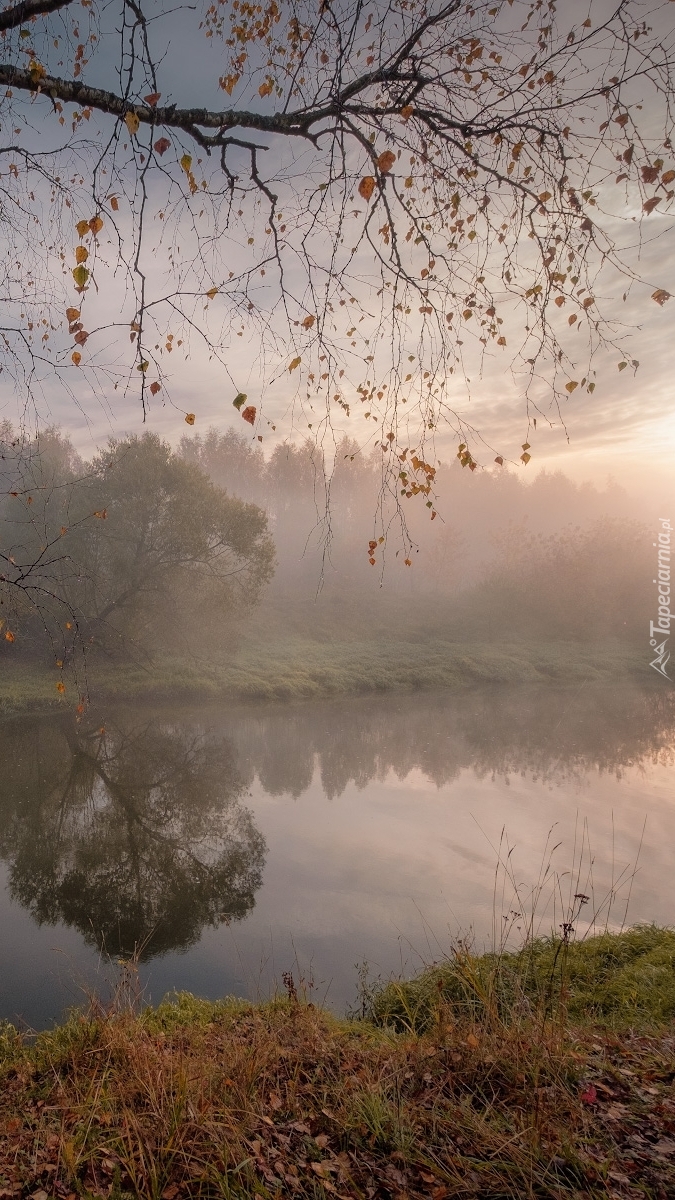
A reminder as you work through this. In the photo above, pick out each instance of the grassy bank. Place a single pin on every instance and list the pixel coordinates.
(518, 1095)
(299, 669)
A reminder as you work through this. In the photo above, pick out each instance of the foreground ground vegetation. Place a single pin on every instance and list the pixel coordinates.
(547, 1073)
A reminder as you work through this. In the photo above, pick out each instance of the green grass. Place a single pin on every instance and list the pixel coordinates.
(619, 980)
(294, 668)
(195, 1100)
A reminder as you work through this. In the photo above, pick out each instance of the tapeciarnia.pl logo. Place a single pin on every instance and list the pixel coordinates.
(661, 626)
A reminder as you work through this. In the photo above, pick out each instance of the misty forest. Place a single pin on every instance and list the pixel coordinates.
(337, 722)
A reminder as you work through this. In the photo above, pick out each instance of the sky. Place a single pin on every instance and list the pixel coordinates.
(626, 429)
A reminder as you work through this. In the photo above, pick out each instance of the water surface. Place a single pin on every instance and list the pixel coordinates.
(228, 846)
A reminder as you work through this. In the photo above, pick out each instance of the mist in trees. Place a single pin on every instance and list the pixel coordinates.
(144, 550)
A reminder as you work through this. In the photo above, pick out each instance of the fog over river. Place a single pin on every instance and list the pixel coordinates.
(229, 845)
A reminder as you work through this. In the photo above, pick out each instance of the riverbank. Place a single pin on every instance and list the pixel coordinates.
(516, 1094)
(296, 668)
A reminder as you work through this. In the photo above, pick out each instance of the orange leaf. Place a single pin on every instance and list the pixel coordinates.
(114, 203)
(96, 224)
(407, 112)
(81, 254)
(82, 227)
(76, 357)
(386, 161)
(660, 296)
(266, 88)
(308, 321)
(295, 363)
(60, 687)
(152, 98)
(249, 414)
(366, 187)
(9, 636)
(189, 418)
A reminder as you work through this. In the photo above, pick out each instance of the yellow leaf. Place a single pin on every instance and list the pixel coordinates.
(295, 363)
(266, 88)
(571, 386)
(143, 366)
(386, 161)
(132, 122)
(409, 182)
(189, 418)
(72, 314)
(96, 224)
(525, 458)
(467, 314)
(212, 293)
(76, 357)
(80, 275)
(81, 254)
(82, 228)
(186, 162)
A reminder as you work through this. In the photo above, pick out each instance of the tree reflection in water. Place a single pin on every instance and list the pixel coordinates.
(136, 836)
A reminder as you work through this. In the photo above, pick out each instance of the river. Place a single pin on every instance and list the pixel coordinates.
(225, 847)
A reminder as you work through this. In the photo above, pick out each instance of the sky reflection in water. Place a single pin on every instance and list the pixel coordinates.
(232, 845)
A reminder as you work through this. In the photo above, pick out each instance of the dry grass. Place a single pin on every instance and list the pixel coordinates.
(233, 1100)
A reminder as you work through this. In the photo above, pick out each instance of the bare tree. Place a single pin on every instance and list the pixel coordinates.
(386, 196)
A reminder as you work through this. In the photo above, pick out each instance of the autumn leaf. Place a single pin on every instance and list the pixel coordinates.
(366, 187)
(132, 122)
(186, 162)
(386, 161)
(82, 227)
(155, 388)
(571, 386)
(60, 687)
(72, 314)
(9, 636)
(472, 1040)
(622, 366)
(668, 177)
(650, 205)
(76, 357)
(308, 321)
(249, 414)
(240, 400)
(407, 112)
(114, 203)
(152, 99)
(96, 224)
(266, 88)
(143, 366)
(295, 363)
(162, 145)
(189, 418)
(589, 1095)
(559, 300)
(81, 254)
(499, 460)
(660, 296)
(102, 514)
(212, 293)
(80, 275)
(525, 457)
(81, 337)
